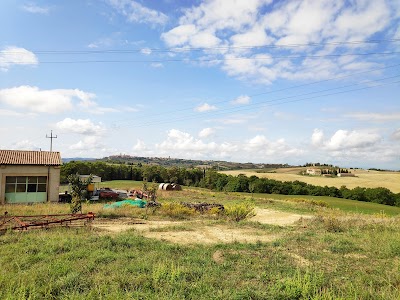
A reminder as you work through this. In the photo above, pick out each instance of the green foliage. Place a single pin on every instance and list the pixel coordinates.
(211, 179)
(313, 202)
(176, 210)
(359, 261)
(333, 224)
(78, 191)
(239, 212)
(300, 286)
(82, 264)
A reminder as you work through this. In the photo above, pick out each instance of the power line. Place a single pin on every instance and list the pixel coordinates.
(272, 102)
(280, 103)
(187, 49)
(274, 91)
(201, 60)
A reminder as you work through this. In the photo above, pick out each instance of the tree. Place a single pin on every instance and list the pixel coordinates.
(78, 191)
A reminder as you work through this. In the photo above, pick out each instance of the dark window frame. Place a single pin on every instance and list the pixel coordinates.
(32, 184)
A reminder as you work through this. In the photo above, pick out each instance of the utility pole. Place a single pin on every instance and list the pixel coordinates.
(51, 137)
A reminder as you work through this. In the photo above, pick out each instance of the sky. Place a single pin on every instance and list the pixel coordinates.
(257, 81)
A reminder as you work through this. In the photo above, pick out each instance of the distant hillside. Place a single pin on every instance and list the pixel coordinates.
(169, 162)
(68, 159)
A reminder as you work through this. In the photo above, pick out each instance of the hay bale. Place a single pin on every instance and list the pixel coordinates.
(176, 187)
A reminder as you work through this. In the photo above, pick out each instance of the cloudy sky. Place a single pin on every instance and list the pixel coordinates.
(238, 80)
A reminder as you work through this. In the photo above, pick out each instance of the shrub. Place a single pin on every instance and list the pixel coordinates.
(311, 202)
(333, 224)
(176, 210)
(238, 212)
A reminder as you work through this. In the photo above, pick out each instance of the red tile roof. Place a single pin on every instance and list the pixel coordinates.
(20, 157)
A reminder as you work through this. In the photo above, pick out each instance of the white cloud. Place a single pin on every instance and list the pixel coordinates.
(31, 98)
(374, 117)
(260, 146)
(182, 144)
(237, 32)
(179, 35)
(145, 51)
(206, 132)
(205, 107)
(357, 147)
(16, 56)
(44, 101)
(10, 113)
(102, 42)
(241, 100)
(396, 134)
(229, 121)
(157, 65)
(317, 137)
(137, 13)
(140, 146)
(88, 143)
(352, 139)
(239, 118)
(81, 126)
(24, 145)
(35, 9)
(345, 140)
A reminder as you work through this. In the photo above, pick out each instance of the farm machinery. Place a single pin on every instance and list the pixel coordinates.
(44, 221)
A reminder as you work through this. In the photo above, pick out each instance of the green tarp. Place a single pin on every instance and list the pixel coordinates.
(137, 202)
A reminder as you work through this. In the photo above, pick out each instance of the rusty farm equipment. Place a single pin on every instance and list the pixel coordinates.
(44, 221)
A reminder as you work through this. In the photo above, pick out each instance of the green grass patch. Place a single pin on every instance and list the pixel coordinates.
(339, 203)
(81, 264)
(336, 255)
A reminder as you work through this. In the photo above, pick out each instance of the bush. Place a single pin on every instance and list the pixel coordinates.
(239, 212)
(333, 224)
(311, 202)
(176, 210)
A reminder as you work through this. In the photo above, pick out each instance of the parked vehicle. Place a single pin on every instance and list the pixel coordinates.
(64, 198)
(108, 193)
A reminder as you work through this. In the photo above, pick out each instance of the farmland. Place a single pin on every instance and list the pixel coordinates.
(293, 248)
(364, 178)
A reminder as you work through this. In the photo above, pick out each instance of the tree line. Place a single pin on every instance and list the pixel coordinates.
(211, 179)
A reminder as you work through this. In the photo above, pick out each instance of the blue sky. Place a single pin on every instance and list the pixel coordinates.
(247, 81)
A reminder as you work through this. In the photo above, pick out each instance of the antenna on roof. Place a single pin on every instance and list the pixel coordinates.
(51, 137)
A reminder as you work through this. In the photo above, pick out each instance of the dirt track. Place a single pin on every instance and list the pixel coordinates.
(187, 232)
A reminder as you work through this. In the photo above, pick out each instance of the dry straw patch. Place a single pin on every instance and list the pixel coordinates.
(368, 179)
(198, 232)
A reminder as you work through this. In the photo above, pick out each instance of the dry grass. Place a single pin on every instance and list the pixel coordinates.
(368, 179)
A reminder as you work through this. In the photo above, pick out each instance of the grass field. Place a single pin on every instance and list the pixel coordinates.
(360, 262)
(364, 178)
(348, 251)
(282, 201)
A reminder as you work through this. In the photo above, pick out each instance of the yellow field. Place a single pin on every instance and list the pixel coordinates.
(369, 179)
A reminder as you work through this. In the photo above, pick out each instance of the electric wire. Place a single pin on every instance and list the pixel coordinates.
(202, 60)
(251, 106)
(187, 49)
(268, 103)
(273, 91)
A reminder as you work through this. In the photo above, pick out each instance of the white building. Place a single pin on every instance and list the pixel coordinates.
(29, 176)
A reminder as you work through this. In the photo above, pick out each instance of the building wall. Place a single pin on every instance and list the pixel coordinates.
(314, 171)
(53, 173)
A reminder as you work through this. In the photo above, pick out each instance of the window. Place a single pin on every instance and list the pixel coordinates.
(26, 184)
